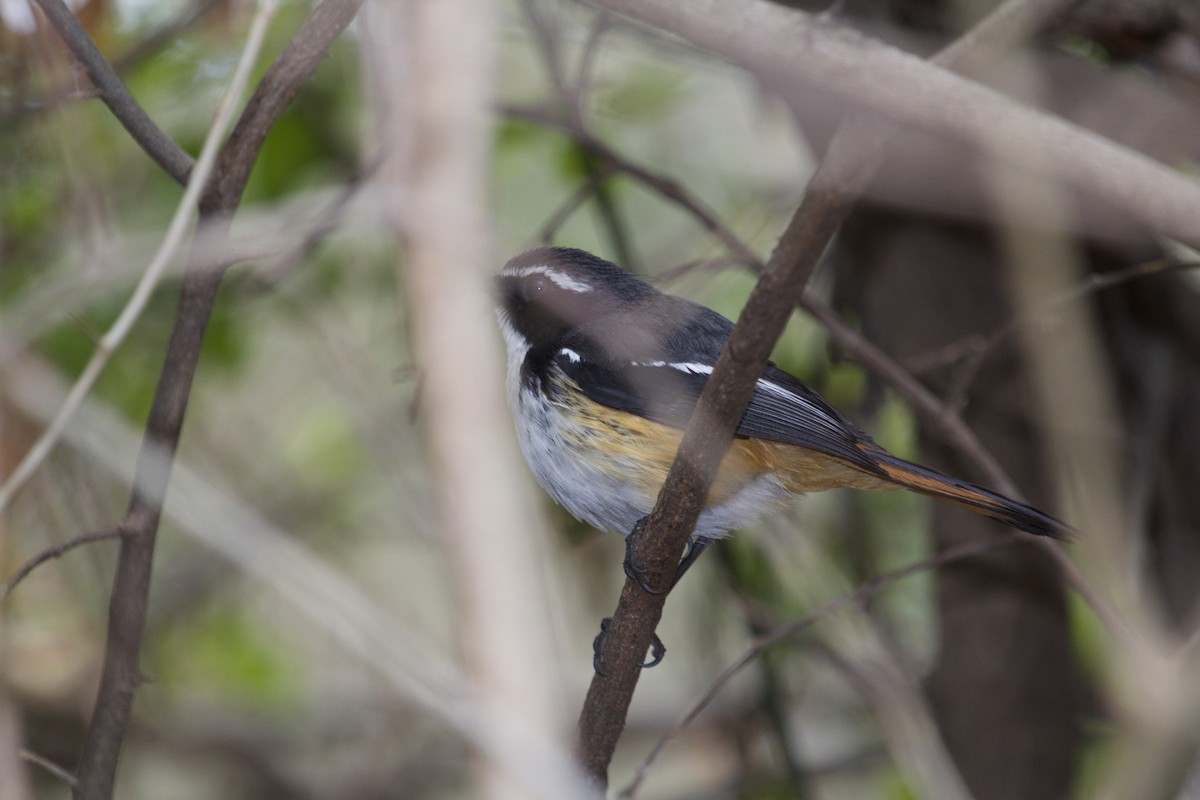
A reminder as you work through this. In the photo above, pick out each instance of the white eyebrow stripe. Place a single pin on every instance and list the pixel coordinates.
(574, 357)
(559, 279)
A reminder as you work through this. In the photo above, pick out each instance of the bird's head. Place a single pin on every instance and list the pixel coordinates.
(545, 293)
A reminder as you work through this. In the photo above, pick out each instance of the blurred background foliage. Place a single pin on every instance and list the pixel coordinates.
(306, 409)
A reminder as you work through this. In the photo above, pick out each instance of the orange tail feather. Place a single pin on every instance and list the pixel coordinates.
(968, 495)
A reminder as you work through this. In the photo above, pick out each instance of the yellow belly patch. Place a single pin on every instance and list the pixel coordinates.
(641, 451)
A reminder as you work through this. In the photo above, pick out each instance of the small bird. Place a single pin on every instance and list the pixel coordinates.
(604, 371)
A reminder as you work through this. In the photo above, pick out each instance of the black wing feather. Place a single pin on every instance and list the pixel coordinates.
(782, 409)
(656, 365)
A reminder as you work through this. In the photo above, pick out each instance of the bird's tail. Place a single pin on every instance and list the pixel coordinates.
(972, 497)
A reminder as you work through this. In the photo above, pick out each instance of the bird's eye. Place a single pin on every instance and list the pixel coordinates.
(538, 284)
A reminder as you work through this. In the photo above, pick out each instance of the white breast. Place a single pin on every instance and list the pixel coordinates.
(571, 473)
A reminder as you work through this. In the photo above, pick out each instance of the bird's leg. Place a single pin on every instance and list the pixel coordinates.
(657, 649)
(634, 570)
(695, 548)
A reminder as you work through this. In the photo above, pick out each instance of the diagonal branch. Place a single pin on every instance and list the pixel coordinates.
(160, 147)
(708, 436)
(659, 182)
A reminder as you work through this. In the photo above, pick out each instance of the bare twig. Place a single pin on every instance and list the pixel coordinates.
(610, 214)
(137, 53)
(666, 186)
(164, 35)
(859, 597)
(1010, 24)
(54, 552)
(587, 58)
(160, 147)
(572, 203)
(549, 44)
(62, 773)
(950, 425)
(14, 778)
(326, 222)
(944, 420)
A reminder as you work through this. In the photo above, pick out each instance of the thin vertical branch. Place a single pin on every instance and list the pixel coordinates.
(127, 608)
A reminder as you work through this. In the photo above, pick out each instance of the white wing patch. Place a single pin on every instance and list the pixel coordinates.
(819, 415)
(683, 366)
(779, 391)
(559, 279)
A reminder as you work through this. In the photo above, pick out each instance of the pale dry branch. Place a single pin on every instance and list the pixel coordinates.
(326, 598)
(60, 772)
(786, 44)
(434, 64)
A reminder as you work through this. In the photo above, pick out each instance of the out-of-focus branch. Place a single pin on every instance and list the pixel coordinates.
(141, 50)
(666, 186)
(56, 770)
(971, 352)
(53, 552)
(14, 778)
(164, 35)
(160, 147)
(127, 607)
(433, 64)
(784, 43)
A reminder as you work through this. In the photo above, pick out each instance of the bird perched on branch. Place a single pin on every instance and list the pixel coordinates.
(604, 371)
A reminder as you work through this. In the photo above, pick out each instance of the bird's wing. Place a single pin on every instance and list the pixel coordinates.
(782, 409)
